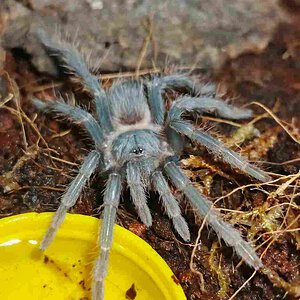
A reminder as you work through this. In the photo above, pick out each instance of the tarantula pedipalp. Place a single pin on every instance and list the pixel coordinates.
(137, 141)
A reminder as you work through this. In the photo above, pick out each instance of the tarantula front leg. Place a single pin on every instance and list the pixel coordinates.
(156, 102)
(159, 84)
(70, 197)
(110, 202)
(225, 231)
(73, 63)
(76, 114)
(171, 205)
(155, 89)
(137, 192)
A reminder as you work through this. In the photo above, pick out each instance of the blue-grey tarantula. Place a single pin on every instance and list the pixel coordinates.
(137, 141)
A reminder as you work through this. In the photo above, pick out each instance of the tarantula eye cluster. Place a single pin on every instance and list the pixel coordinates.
(138, 142)
(138, 151)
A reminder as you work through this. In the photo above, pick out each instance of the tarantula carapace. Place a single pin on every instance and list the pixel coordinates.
(138, 142)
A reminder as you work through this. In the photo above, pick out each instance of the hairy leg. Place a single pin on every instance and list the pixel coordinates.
(70, 197)
(137, 191)
(175, 140)
(73, 63)
(76, 114)
(224, 230)
(158, 84)
(171, 205)
(157, 105)
(111, 202)
(219, 149)
(207, 105)
(156, 102)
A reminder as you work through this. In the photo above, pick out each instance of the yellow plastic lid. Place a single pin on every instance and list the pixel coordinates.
(64, 271)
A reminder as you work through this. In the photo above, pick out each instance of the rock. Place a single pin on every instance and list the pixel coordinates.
(185, 33)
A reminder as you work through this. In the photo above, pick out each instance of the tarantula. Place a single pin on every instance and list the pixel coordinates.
(137, 141)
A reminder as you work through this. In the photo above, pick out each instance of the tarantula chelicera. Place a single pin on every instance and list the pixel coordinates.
(137, 141)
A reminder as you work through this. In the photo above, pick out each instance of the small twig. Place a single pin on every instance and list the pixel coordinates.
(242, 286)
(279, 164)
(60, 134)
(193, 255)
(280, 190)
(61, 160)
(148, 38)
(284, 230)
(6, 99)
(278, 121)
(251, 185)
(42, 187)
(129, 74)
(20, 113)
(283, 204)
(15, 112)
(222, 121)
